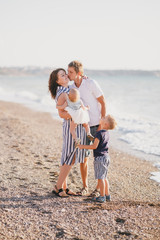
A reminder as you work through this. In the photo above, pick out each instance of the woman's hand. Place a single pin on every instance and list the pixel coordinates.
(64, 114)
(68, 116)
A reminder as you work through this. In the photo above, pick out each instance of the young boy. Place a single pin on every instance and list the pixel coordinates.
(101, 156)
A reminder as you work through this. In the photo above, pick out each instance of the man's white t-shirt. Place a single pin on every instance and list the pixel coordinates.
(89, 92)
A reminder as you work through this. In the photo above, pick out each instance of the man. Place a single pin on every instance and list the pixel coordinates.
(92, 96)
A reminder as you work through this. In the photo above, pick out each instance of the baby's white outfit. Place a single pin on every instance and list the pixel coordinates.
(78, 114)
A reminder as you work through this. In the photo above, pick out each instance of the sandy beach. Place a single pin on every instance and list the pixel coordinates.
(30, 151)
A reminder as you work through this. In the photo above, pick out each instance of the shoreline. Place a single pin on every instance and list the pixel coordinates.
(121, 145)
(30, 151)
(126, 148)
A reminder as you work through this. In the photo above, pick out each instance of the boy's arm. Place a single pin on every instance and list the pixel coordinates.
(61, 107)
(93, 146)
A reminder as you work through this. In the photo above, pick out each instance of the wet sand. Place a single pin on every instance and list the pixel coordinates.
(30, 151)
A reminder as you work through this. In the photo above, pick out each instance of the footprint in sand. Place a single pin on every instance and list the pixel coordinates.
(3, 189)
(9, 178)
(23, 185)
(49, 160)
(33, 193)
(120, 220)
(55, 174)
(47, 168)
(14, 159)
(39, 163)
(14, 146)
(34, 183)
(23, 179)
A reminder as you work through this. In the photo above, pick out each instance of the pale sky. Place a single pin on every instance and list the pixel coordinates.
(102, 34)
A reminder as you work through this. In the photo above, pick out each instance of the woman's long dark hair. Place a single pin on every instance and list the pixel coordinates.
(52, 84)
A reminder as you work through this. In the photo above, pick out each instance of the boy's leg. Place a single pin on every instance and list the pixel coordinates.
(101, 183)
(106, 187)
(73, 126)
(102, 197)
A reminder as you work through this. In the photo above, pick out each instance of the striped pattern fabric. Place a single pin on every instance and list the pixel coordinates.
(101, 164)
(68, 148)
(61, 90)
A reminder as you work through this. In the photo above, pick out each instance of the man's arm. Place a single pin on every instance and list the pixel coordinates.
(102, 101)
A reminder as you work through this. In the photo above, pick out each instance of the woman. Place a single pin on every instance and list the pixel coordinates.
(58, 87)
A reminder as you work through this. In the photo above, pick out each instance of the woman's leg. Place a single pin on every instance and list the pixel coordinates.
(64, 185)
(64, 171)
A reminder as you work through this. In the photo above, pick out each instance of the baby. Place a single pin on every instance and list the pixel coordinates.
(74, 106)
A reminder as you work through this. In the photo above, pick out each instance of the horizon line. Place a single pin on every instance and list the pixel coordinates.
(93, 69)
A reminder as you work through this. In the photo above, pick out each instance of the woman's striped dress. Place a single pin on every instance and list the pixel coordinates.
(68, 149)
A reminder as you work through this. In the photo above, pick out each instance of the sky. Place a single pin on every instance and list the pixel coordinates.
(102, 34)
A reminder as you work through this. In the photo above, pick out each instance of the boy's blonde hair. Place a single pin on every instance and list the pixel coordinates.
(112, 122)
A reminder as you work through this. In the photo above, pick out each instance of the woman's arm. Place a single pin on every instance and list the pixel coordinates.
(61, 107)
(61, 100)
(93, 146)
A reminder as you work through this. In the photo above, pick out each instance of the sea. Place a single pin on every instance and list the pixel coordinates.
(132, 96)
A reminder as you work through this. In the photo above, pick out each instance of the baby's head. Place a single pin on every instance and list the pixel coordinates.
(108, 122)
(74, 95)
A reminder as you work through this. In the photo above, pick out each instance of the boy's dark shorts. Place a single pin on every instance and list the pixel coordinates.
(88, 142)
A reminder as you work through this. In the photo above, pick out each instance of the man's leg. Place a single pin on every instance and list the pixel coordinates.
(84, 166)
(84, 172)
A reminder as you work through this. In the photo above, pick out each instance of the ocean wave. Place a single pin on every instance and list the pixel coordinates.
(140, 134)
